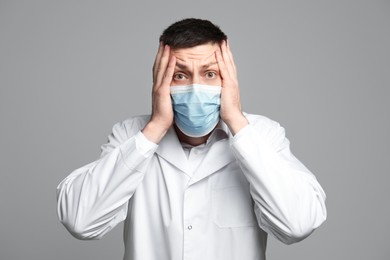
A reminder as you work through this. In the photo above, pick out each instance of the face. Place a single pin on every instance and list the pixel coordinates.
(196, 65)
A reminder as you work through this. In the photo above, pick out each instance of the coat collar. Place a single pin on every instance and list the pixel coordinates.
(171, 150)
(217, 156)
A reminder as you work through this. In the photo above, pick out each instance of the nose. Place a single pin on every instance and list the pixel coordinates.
(195, 78)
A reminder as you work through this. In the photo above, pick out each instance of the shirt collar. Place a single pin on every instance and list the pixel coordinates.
(220, 132)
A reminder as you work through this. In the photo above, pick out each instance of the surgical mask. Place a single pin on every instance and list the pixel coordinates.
(196, 108)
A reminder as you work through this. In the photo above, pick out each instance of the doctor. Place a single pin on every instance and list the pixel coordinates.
(198, 178)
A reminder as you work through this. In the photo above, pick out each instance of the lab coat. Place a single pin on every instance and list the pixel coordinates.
(246, 187)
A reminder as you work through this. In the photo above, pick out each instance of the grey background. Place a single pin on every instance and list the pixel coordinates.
(69, 70)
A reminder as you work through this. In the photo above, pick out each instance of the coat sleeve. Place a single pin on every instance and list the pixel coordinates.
(289, 202)
(93, 199)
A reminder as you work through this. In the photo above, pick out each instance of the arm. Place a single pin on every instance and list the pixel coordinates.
(94, 198)
(289, 202)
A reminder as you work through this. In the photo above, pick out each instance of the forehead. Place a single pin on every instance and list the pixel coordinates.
(204, 52)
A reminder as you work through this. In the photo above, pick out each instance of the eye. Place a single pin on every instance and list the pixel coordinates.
(179, 76)
(211, 74)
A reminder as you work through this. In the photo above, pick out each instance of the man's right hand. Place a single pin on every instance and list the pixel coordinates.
(162, 112)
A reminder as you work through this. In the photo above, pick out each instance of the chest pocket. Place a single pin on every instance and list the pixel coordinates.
(231, 202)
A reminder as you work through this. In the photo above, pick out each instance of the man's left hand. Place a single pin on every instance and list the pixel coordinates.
(230, 112)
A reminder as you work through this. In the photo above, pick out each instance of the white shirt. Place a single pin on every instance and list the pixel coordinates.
(217, 204)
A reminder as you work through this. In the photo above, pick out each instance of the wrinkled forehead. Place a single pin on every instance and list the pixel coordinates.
(200, 53)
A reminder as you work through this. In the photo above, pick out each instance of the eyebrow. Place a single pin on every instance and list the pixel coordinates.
(183, 66)
(206, 66)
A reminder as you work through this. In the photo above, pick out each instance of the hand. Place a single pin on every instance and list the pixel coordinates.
(162, 112)
(230, 97)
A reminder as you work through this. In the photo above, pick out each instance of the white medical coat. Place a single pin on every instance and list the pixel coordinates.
(245, 187)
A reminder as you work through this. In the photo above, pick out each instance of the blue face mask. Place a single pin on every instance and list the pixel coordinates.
(196, 108)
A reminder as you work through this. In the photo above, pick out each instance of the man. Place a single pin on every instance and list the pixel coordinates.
(198, 179)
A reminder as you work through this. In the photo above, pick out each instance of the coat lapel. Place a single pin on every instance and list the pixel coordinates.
(216, 158)
(171, 150)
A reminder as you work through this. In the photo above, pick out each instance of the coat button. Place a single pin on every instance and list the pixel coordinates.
(189, 227)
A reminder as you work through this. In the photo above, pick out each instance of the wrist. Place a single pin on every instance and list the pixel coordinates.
(154, 131)
(236, 123)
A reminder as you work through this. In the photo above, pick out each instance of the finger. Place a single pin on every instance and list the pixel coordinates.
(167, 80)
(162, 66)
(157, 60)
(231, 56)
(226, 59)
(221, 65)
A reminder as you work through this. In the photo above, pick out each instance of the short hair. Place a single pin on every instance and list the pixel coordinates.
(192, 32)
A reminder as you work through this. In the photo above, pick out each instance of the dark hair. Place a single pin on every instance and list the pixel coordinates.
(192, 32)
